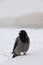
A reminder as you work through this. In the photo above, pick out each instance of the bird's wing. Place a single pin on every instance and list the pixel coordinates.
(29, 39)
(15, 45)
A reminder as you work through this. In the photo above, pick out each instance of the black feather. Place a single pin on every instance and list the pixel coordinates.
(23, 36)
(15, 45)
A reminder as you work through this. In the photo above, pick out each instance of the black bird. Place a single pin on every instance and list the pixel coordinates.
(22, 44)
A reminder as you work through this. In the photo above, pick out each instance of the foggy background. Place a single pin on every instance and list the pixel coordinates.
(21, 13)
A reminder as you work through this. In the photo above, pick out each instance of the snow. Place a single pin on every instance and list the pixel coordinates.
(35, 53)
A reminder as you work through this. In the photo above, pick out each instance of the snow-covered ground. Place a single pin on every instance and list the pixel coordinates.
(35, 53)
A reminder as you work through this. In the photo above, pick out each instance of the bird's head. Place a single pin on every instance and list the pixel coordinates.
(23, 36)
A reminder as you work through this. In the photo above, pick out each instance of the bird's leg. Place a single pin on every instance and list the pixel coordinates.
(24, 53)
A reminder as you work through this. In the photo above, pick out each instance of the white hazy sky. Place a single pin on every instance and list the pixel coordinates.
(12, 8)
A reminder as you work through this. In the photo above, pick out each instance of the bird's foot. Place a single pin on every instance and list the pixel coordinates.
(24, 53)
